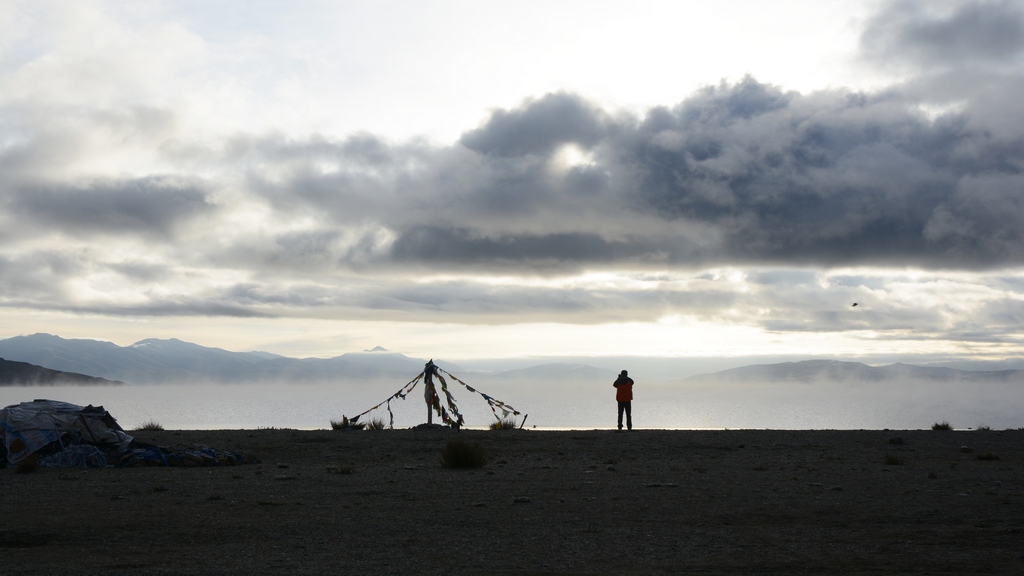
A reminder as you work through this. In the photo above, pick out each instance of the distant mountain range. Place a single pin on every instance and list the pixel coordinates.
(835, 371)
(25, 374)
(557, 371)
(154, 361)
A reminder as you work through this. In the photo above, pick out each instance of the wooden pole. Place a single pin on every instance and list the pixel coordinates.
(428, 389)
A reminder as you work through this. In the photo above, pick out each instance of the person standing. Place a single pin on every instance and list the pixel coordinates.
(624, 396)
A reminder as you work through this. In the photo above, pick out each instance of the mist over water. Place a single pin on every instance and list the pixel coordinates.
(558, 405)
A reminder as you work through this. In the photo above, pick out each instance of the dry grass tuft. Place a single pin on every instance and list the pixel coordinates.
(458, 453)
(149, 426)
(506, 423)
(376, 423)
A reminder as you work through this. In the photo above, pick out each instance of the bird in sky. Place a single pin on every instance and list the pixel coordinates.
(854, 305)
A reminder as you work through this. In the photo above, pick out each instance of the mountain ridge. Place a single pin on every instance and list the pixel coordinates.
(159, 361)
(808, 371)
(14, 373)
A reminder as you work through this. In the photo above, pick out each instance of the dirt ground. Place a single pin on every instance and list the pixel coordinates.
(574, 502)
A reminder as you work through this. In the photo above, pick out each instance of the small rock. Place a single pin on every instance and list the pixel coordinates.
(521, 500)
(836, 488)
(284, 477)
(611, 468)
(282, 465)
(966, 449)
(896, 440)
(932, 475)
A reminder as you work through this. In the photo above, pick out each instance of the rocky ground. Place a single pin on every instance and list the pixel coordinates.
(578, 502)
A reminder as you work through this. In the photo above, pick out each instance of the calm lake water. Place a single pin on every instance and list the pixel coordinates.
(564, 406)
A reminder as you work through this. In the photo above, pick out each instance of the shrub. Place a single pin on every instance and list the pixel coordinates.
(458, 453)
(942, 426)
(984, 428)
(891, 460)
(506, 423)
(376, 423)
(149, 426)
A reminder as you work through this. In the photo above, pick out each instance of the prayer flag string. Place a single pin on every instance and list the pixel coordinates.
(494, 403)
(401, 394)
(456, 418)
(449, 414)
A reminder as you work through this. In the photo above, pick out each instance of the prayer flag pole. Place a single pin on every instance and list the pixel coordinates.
(428, 389)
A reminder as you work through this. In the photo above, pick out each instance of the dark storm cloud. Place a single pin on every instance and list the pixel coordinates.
(828, 178)
(472, 302)
(539, 127)
(199, 307)
(150, 206)
(427, 244)
(736, 173)
(971, 34)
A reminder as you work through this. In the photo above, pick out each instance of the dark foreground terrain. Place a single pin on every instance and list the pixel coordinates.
(586, 502)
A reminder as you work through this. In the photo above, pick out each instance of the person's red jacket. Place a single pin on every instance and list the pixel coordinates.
(623, 389)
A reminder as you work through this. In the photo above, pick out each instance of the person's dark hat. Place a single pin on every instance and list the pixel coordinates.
(624, 373)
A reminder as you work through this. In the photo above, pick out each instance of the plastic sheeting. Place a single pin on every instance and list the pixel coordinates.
(27, 427)
(80, 456)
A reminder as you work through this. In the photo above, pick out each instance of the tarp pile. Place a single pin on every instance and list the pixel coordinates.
(29, 427)
(449, 415)
(63, 435)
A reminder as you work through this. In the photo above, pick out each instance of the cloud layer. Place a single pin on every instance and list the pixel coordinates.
(743, 200)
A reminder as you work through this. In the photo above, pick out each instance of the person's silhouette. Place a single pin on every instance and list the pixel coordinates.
(624, 396)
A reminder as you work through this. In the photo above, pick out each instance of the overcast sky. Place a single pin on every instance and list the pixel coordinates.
(489, 179)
